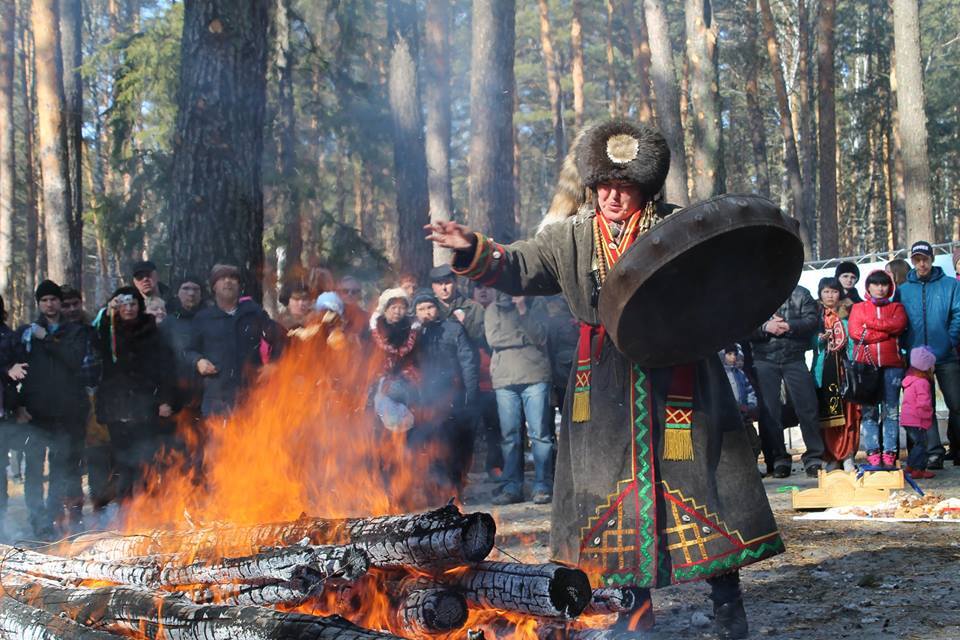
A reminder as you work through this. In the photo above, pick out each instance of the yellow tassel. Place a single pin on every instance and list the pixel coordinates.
(581, 405)
(678, 444)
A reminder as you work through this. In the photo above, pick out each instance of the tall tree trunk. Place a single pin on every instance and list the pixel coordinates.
(808, 140)
(913, 121)
(896, 157)
(791, 159)
(71, 39)
(668, 102)
(28, 104)
(612, 106)
(576, 61)
(701, 42)
(409, 155)
(758, 132)
(553, 82)
(8, 19)
(491, 119)
(827, 123)
(637, 27)
(217, 203)
(436, 88)
(62, 263)
(285, 140)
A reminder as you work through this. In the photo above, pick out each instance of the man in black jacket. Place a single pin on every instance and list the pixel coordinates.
(225, 344)
(779, 346)
(55, 361)
(449, 369)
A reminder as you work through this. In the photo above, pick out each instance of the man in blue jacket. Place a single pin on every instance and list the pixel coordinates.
(932, 301)
(225, 344)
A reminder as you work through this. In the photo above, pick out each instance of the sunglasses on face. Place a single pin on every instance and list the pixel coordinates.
(353, 292)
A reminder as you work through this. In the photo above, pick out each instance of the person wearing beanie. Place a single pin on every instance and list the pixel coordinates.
(136, 390)
(54, 361)
(848, 274)
(615, 472)
(839, 419)
(932, 303)
(917, 413)
(449, 372)
(226, 340)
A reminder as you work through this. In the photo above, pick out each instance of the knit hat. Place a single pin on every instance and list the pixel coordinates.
(425, 295)
(389, 296)
(329, 301)
(223, 271)
(846, 267)
(68, 292)
(922, 358)
(921, 247)
(49, 288)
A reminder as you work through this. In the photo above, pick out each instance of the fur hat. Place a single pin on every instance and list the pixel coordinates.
(49, 288)
(613, 150)
(846, 267)
(389, 296)
(622, 150)
(922, 358)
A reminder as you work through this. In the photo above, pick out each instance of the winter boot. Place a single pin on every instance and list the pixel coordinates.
(729, 616)
(874, 459)
(889, 459)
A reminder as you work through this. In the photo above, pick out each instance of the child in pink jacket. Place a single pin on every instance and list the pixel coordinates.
(916, 410)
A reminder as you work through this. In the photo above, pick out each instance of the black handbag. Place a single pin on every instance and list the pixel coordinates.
(862, 381)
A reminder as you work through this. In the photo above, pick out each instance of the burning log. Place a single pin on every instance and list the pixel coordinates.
(289, 594)
(166, 616)
(430, 611)
(308, 566)
(608, 600)
(19, 621)
(434, 539)
(549, 590)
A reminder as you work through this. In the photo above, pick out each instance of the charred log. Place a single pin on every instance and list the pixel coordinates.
(158, 615)
(549, 590)
(609, 600)
(434, 539)
(19, 621)
(430, 611)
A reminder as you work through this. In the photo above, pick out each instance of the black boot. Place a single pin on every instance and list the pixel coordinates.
(638, 620)
(729, 616)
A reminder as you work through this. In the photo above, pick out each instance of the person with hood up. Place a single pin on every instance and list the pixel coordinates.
(394, 335)
(848, 274)
(917, 410)
(839, 419)
(136, 389)
(932, 302)
(875, 328)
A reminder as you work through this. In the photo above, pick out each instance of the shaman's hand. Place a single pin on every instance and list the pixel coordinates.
(450, 235)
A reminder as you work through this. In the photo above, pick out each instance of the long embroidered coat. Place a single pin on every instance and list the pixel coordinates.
(620, 510)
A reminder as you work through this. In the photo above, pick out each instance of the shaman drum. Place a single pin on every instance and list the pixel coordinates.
(704, 277)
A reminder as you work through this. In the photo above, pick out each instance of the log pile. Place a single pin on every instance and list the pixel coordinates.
(273, 580)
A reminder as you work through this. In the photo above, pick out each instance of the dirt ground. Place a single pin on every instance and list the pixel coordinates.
(837, 579)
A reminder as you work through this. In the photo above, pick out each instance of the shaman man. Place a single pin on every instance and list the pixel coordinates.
(655, 482)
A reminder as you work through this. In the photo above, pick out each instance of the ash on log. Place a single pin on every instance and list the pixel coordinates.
(19, 621)
(549, 590)
(164, 616)
(434, 539)
(430, 611)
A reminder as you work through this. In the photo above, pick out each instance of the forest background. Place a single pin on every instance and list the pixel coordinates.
(289, 134)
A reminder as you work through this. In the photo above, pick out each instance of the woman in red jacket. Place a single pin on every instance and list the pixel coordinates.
(875, 324)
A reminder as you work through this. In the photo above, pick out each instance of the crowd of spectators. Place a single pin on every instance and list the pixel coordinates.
(457, 374)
